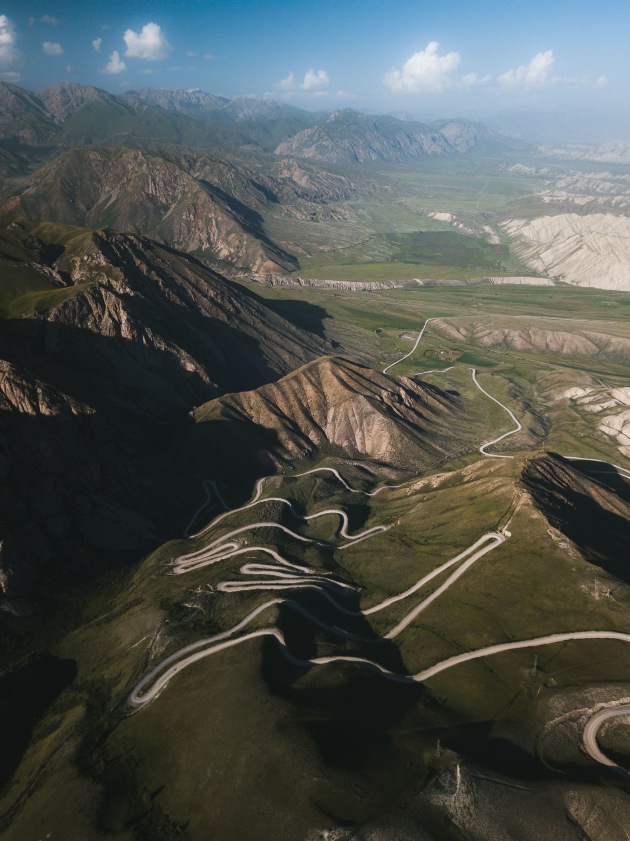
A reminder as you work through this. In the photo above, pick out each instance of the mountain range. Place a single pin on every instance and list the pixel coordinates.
(196, 171)
(70, 114)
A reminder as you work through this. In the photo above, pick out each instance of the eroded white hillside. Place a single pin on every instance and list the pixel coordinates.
(592, 250)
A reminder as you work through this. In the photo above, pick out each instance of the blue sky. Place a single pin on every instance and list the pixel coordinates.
(447, 57)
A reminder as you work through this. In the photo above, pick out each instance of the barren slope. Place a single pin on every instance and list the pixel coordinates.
(575, 342)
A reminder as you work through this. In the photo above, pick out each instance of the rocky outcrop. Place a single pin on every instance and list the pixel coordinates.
(345, 285)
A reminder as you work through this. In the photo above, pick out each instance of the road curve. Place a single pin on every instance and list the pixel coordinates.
(589, 736)
(211, 485)
(291, 576)
(517, 428)
(413, 349)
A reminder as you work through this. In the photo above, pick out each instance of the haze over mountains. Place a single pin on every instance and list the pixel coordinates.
(258, 186)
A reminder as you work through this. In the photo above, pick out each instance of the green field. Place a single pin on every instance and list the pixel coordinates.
(384, 230)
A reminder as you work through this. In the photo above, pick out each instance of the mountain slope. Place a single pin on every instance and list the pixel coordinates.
(142, 193)
(187, 102)
(24, 118)
(335, 405)
(190, 201)
(96, 390)
(65, 99)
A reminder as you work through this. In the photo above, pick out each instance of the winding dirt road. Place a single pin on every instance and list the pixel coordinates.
(518, 427)
(413, 349)
(158, 678)
(286, 575)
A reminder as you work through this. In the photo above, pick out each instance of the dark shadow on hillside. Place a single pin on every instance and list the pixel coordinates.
(253, 223)
(477, 745)
(26, 692)
(81, 494)
(595, 517)
(121, 373)
(606, 474)
(347, 708)
(304, 315)
(352, 715)
(101, 461)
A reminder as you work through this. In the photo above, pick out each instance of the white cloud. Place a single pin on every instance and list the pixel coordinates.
(69, 69)
(313, 81)
(472, 80)
(536, 74)
(49, 20)
(114, 65)
(52, 48)
(97, 43)
(424, 72)
(191, 53)
(287, 84)
(210, 57)
(177, 68)
(10, 76)
(8, 54)
(150, 44)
